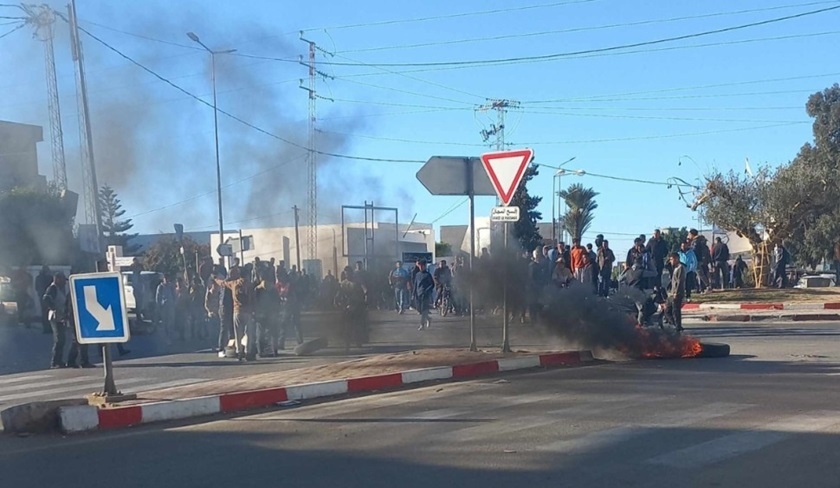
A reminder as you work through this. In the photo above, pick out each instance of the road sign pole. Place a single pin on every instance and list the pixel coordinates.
(471, 191)
(505, 320)
(110, 388)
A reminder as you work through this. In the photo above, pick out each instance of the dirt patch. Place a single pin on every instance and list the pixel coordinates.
(770, 295)
(374, 365)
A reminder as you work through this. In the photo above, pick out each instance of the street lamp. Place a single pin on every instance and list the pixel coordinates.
(213, 54)
(560, 172)
(554, 194)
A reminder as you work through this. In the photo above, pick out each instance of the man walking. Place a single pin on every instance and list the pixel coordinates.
(677, 293)
(398, 279)
(424, 287)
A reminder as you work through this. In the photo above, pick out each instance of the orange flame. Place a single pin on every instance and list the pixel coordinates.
(654, 344)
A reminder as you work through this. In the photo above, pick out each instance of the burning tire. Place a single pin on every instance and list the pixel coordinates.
(713, 350)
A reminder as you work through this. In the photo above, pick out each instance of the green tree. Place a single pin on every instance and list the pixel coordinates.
(164, 256)
(36, 227)
(525, 230)
(794, 204)
(115, 230)
(581, 209)
(674, 236)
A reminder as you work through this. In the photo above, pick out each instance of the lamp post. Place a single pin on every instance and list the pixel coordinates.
(560, 172)
(555, 195)
(213, 54)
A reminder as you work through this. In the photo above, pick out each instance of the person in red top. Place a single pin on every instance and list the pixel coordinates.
(578, 258)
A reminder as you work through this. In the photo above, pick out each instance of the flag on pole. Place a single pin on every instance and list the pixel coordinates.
(747, 168)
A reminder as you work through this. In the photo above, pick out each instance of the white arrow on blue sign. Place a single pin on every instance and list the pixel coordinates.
(99, 310)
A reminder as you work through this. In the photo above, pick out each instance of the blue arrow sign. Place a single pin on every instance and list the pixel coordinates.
(99, 310)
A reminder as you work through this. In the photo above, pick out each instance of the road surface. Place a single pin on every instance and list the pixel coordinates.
(154, 364)
(769, 416)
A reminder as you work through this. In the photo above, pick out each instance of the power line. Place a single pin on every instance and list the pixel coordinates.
(549, 57)
(406, 92)
(21, 26)
(683, 119)
(627, 180)
(234, 117)
(450, 210)
(687, 97)
(613, 53)
(407, 141)
(142, 36)
(687, 88)
(666, 136)
(452, 16)
(194, 197)
(580, 29)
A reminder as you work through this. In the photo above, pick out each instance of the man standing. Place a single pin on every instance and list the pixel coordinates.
(351, 300)
(720, 258)
(606, 261)
(242, 291)
(424, 287)
(704, 258)
(689, 261)
(443, 282)
(42, 282)
(166, 300)
(658, 250)
(677, 293)
(221, 271)
(578, 254)
(57, 301)
(782, 258)
(398, 279)
(635, 265)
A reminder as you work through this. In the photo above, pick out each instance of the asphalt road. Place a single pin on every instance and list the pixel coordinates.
(769, 416)
(155, 363)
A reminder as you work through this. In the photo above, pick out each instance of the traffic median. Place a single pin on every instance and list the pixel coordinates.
(337, 380)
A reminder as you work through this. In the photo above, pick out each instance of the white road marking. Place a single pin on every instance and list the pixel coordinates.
(733, 445)
(168, 384)
(671, 419)
(5, 381)
(43, 384)
(76, 388)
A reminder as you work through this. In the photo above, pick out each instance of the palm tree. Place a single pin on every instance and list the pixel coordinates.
(581, 207)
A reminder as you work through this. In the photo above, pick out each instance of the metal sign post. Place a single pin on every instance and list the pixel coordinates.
(506, 170)
(100, 316)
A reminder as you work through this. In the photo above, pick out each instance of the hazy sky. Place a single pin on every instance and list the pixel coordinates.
(405, 80)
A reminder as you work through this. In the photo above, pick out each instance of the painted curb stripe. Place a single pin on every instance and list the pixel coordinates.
(475, 369)
(84, 418)
(246, 400)
(110, 418)
(377, 382)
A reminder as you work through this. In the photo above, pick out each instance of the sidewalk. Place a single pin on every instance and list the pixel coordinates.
(797, 307)
(369, 374)
(762, 315)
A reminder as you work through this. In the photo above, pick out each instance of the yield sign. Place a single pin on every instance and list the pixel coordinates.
(506, 170)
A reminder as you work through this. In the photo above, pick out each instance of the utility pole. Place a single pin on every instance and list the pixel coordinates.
(91, 187)
(297, 235)
(497, 130)
(42, 17)
(311, 162)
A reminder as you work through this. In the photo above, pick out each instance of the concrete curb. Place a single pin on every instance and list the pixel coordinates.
(804, 317)
(81, 418)
(762, 306)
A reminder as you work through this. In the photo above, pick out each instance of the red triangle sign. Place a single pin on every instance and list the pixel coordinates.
(505, 170)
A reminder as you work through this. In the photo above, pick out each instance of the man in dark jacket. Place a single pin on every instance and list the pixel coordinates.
(658, 250)
(720, 263)
(424, 288)
(42, 282)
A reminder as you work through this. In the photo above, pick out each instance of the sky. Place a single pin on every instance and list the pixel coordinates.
(639, 91)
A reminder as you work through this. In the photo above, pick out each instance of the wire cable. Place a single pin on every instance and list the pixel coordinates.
(580, 29)
(450, 210)
(141, 36)
(234, 117)
(549, 57)
(21, 26)
(451, 16)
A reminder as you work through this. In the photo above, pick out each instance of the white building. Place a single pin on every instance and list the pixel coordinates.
(377, 243)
